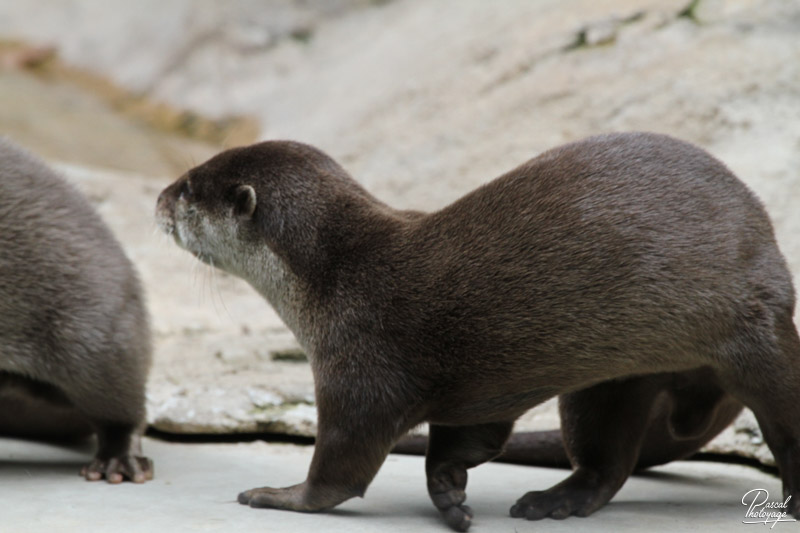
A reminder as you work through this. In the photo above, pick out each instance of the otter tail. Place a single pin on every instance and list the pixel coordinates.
(535, 448)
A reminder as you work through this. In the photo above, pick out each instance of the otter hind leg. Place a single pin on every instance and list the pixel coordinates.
(603, 430)
(31, 409)
(768, 381)
(119, 455)
(114, 408)
(451, 451)
(614, 427)
(695, 410)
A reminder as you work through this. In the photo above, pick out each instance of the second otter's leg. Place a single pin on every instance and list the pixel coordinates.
(114, 405)
(119, 455)
(695, 410)
(603, 428)
(614, 427)
(451, 451)
(35, 410)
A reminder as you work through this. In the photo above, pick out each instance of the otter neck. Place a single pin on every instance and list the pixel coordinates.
(268, 274)
(348, 230)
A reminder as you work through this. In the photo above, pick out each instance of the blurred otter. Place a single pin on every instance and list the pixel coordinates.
(74, 333)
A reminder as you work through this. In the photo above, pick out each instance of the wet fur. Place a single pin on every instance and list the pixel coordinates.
(631, 274)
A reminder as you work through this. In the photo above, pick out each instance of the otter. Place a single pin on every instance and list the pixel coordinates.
(74, 333)
(632, 275)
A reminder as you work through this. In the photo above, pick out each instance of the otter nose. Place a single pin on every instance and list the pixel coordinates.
(161, 198)
(163, 210)
(166, 198)
(161, 204)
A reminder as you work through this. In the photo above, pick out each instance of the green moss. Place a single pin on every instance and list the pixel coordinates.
(290, 355)
(302, 35)
(690, 11)
(276, 409)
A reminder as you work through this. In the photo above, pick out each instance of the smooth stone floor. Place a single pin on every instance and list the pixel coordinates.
(196, 486)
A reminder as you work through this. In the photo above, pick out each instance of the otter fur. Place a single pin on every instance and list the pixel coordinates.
(74, 333)
(633, 275)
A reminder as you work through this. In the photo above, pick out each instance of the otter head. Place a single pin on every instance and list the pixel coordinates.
(211, 217)
(259, 212)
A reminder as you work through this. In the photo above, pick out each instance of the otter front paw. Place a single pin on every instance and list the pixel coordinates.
(117, 469)
(262, 497)
(290, 498)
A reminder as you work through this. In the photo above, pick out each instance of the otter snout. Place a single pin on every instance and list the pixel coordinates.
(178, 219)
(165, 208)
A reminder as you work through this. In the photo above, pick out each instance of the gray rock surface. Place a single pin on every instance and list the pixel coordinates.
(196, 485)
(62, 122)
(164, 48)
(421, 101)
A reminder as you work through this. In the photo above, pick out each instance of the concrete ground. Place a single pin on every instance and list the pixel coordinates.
(196, 485)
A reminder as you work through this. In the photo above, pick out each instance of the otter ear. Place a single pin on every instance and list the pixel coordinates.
(244, 203)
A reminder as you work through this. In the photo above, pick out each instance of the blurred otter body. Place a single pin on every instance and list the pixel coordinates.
(631, 274)
(74, 333)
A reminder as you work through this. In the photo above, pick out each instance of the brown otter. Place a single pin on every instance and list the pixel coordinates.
(632, 274)
(74, 333)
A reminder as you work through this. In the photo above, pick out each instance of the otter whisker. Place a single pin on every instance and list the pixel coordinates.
(215, 289)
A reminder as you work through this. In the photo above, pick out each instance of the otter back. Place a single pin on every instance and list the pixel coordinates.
(74, 334)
